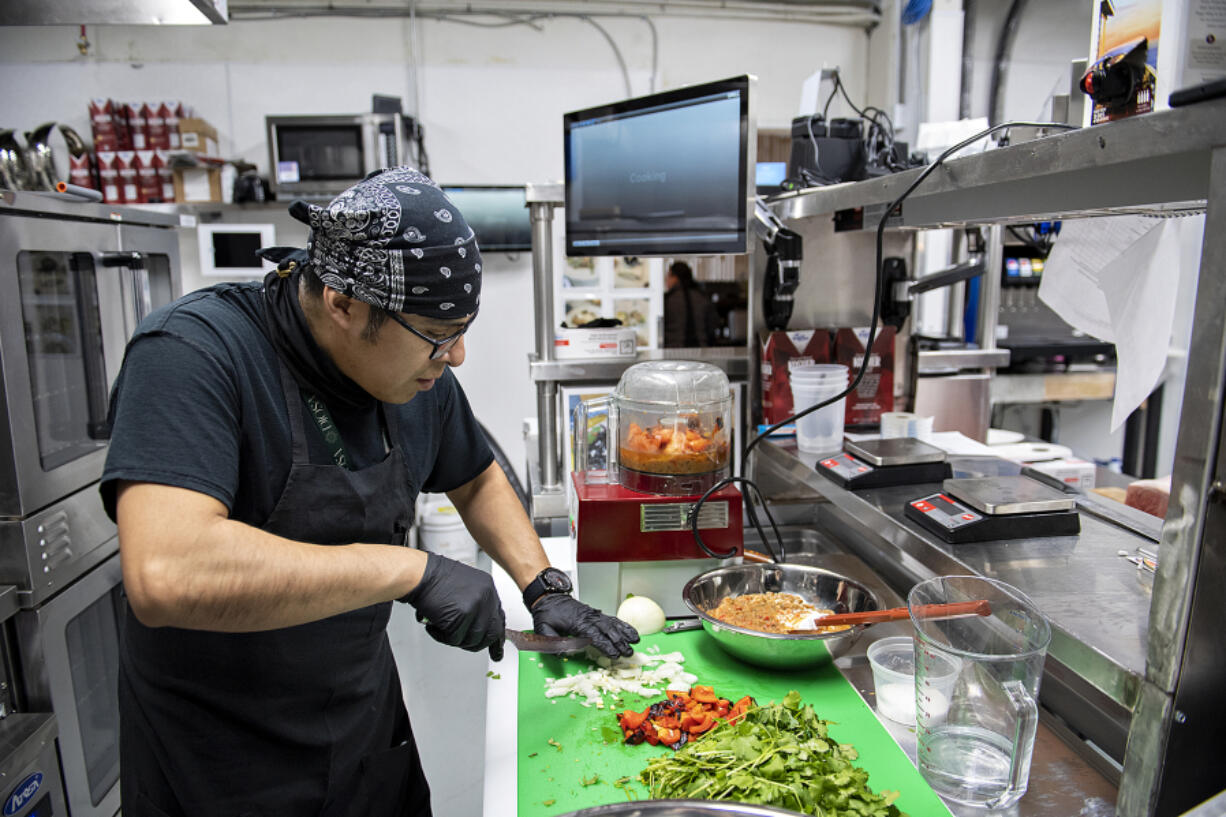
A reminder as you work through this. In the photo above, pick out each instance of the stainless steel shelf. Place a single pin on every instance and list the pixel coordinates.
(948, 359)
(1155, 163)
(734, 360)
(41, 204)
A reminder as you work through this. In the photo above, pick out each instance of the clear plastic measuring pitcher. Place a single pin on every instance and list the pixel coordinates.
(975, 742)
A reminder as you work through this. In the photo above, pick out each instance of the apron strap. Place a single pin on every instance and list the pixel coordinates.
(327, 427)
(293, 404)
(390, 430)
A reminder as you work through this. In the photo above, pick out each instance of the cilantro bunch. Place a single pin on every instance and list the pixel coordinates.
(778, 755)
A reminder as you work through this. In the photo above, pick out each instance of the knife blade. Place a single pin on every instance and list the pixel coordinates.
(531, 642)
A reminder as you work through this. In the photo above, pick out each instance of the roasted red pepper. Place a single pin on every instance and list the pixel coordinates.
(680, 717)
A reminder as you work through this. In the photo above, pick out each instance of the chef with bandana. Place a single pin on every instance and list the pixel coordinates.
(268, 442)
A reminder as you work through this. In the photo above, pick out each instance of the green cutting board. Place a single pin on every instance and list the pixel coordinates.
(551, 778)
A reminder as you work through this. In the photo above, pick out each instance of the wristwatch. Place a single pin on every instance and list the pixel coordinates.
(549, 580)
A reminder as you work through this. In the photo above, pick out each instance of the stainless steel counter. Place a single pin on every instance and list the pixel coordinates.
(1098, 603)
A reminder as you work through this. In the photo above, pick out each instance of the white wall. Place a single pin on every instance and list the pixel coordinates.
(1050, 35)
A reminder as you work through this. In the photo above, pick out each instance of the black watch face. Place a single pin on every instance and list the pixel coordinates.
(555, 580)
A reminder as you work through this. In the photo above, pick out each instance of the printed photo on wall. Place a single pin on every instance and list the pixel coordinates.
(631, 273)
(580, 273)
(580, 311)
(633, 312)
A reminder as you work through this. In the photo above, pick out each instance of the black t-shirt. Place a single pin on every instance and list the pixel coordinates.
(198, 404)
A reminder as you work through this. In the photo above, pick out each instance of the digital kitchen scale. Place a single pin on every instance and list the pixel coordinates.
(881, 463)
(987, 508)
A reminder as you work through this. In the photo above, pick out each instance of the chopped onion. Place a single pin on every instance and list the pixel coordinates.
(633, 674)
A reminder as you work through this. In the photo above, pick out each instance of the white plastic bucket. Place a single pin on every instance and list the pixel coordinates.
(820, 431)
(441, 530)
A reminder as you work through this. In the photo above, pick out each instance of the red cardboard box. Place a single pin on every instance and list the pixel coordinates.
(137, 116)
(156, 115)
(108, 177)
(781, 352)
(148, 184)
(875, 394)
(125, 165)
(170, 112)
(166, 176)
(102, 124)
(81, 171)
(123, 133)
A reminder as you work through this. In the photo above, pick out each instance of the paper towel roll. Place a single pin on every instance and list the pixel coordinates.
(905, 424)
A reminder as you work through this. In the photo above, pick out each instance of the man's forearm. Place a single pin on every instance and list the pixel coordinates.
(496, 519)
(186, 565)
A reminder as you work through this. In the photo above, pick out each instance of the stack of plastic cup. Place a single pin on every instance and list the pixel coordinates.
(821, 431)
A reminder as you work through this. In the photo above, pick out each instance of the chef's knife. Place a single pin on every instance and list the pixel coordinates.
(532, 642)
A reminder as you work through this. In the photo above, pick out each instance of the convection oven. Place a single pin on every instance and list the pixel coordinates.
(75, 280)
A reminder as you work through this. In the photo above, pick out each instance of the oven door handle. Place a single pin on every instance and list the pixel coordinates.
(137, 284)
(89, 315)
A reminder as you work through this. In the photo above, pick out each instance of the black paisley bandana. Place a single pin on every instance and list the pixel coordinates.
(396, 242)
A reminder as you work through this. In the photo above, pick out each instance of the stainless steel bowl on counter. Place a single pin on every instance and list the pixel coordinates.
(680, 808)
(824, 589)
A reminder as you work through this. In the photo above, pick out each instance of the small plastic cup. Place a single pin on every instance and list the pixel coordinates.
(821, 431)
(893, 663)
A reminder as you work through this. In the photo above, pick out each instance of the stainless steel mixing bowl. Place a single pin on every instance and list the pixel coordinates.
(822, 588)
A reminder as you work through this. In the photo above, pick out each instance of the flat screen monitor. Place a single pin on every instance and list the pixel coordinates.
(497, 214)
(665, 174)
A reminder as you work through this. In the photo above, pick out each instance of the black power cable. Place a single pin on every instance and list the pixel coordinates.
(781, 556)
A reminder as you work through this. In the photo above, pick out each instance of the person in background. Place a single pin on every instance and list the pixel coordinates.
(268, 442)
(689, 316)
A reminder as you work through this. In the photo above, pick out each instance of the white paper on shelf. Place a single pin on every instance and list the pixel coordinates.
(958, 444)
(1117, 279)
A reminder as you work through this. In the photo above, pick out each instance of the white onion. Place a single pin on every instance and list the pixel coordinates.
(642, 614)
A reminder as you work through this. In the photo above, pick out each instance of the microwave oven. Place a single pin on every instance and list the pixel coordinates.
(318, 156)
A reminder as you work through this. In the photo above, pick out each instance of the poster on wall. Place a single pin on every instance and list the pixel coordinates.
(1204, 33)
(580, 273)
(1124, 42)
(578, 311)
(633, 313)
(631, 273)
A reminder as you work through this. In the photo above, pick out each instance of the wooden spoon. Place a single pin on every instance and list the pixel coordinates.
(958, 609)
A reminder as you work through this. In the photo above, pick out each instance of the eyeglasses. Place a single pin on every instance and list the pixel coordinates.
(441, 347)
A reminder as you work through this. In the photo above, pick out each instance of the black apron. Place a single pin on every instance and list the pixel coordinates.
(305, 720)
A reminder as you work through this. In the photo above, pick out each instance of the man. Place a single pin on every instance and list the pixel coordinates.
(689, 316)
(267, 446)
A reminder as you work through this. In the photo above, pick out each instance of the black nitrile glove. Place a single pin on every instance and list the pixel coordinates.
(459, 605)
(561, 614)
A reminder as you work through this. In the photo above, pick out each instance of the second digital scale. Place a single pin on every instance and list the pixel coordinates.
(988, 508)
